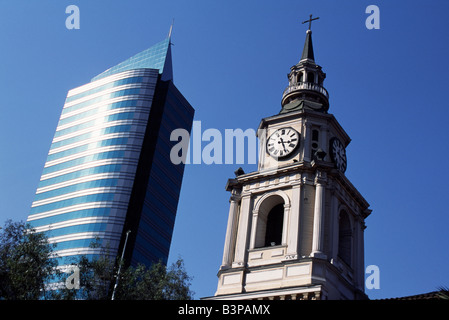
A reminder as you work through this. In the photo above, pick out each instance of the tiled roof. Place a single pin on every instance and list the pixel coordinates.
(434, 295)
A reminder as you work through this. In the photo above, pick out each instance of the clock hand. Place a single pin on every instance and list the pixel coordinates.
(283, 146)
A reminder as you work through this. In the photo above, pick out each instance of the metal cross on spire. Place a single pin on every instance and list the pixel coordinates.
(310, 21)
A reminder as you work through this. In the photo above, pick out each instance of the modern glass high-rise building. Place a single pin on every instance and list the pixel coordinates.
(109, 170)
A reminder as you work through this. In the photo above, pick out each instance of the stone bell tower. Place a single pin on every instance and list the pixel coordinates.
(296, 225)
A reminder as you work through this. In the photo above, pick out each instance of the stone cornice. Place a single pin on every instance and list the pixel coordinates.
(299, 173)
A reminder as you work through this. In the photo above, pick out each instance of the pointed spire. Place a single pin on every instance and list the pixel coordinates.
(307, 52)
(171, 28)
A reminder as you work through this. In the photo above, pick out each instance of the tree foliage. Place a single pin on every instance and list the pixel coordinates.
(25, 262)
(155, 283)
(28, 266)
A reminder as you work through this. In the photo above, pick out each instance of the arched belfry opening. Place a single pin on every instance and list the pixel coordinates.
(270, 222)
(275, 221)
(310, 77)
(344, 238)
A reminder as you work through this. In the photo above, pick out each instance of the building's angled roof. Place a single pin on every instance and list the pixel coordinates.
(155, 57)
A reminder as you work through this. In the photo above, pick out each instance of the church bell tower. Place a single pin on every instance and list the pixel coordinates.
(296, 225)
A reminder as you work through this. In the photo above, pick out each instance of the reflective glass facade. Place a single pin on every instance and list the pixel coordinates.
(108, 169)
(160, 200)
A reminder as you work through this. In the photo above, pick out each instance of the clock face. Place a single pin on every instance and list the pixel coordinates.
(338, 154)
(282, 142)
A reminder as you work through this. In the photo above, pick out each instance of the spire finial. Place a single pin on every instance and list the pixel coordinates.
(171, 28)
(310, 22)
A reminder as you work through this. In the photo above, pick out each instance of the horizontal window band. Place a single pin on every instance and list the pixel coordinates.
(85, 147)
(85, 159)
(118, 208)
(150, 75)
(119, 191)
(91, 227)
(95, 122)
(76, 187)
(85, 136)
(93, 213)
(90, 112)
(120, 93)
(130, 150)
(80, 243)
(80, 173)
(99, 197)
(106, 86)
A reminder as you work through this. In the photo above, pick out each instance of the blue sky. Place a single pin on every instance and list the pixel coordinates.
(388, 89)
